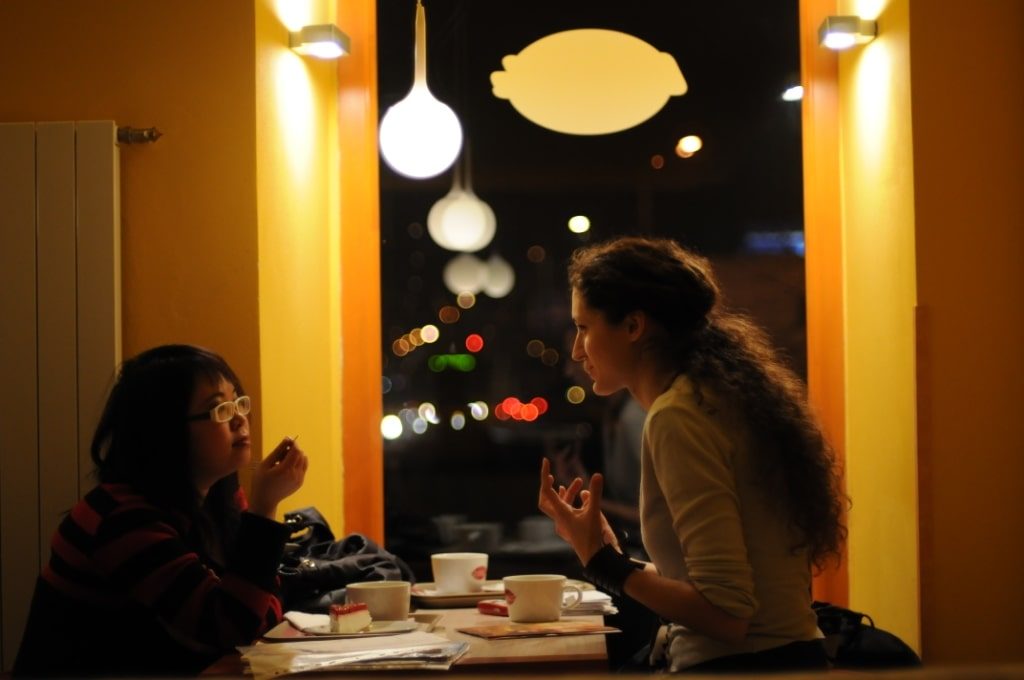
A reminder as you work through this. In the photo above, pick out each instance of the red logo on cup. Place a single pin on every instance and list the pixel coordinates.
(480, 573)
(510, 597)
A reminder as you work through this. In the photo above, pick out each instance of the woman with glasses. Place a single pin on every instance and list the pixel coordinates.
(164, 565)
(739, 492)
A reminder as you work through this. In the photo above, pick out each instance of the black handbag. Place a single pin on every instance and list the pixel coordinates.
(852, 643)
(316, 568)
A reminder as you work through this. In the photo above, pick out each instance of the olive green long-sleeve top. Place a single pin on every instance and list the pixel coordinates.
(705, 520)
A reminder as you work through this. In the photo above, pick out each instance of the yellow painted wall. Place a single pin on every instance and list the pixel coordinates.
(877, 202)
(297, 178)
(967, 73)
(189, 200)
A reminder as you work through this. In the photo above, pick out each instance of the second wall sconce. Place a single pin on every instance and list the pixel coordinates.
(323, 41)
(843, 32)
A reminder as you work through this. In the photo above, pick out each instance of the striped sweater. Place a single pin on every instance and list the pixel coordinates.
(125, 592)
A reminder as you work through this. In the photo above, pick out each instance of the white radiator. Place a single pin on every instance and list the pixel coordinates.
(60, 336)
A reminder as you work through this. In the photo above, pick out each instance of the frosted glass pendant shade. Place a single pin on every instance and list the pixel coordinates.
(420, 136)
(501, 278)
(465, 274)
(461, 221)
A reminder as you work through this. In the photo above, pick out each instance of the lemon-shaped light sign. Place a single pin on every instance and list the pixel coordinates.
(588, 81)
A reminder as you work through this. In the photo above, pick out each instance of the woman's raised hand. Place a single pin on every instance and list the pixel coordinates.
(584, 528)
(278, 475)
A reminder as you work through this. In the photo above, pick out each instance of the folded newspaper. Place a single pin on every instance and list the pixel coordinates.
(415, 650)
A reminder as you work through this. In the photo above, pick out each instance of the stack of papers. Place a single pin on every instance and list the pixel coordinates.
(415, 650)
(593, 602)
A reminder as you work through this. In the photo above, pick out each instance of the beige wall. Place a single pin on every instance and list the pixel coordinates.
(967, 77)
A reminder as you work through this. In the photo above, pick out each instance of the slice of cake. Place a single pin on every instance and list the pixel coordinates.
(350, 618)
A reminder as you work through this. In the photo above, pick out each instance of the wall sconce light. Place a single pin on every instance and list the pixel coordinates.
(843, 32)
(323, 41)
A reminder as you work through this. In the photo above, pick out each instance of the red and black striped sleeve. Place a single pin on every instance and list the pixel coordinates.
(140, 551)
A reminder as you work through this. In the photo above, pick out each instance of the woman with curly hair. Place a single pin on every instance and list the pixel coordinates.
(740, 495)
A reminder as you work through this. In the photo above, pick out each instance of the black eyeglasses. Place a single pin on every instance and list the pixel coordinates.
(225, 410)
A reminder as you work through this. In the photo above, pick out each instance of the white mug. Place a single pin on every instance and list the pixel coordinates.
(386, 600)
(463, 572)
(535, 598)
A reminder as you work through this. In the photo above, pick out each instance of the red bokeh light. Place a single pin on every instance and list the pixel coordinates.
(529, 412)
(474, 343)
(512, 406)
(541, 403)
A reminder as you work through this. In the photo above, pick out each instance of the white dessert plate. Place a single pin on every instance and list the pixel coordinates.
(285, 631)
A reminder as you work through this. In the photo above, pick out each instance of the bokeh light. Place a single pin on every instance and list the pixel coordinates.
(419, 426)
(428, 412)
(579, 224)
(465, 299)
(474, 343)
(386, 384)
(511, 406)
(688, 145)
(416, 337)
(430, 333)
(536, 254)
(478, 410)
(534, 348)
(529, 412)
(657, 161)
(449, 314)
(458, 420)
(541, 404)
(391, 427)
(793, 94)
(549, 357)
(575, 394)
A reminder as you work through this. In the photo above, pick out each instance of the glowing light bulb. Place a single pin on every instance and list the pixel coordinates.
(420, 136)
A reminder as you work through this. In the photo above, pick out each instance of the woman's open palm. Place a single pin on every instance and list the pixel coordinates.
(584, 528)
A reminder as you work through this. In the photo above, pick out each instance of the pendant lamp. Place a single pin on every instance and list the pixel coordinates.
(420, 136)
(501, 278)
(465, 273)
(460, 221)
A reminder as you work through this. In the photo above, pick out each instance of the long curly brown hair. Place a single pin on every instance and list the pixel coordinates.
(731, 356)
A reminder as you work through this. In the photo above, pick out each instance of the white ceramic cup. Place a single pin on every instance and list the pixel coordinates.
(386, 600)
(534, 598)
(459, 572)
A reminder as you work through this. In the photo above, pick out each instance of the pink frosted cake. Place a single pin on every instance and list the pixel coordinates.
(350, 618)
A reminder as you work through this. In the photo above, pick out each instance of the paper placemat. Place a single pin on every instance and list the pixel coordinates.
(520, 630)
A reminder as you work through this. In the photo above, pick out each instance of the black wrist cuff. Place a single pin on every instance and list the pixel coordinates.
(608, 570)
